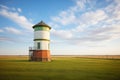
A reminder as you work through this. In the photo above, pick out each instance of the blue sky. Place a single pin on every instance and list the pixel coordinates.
(79, 27)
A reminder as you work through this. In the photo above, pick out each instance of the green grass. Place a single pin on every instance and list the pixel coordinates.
(19, 68)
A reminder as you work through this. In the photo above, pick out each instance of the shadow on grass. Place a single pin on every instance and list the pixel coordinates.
(22, 61)
(15, 61)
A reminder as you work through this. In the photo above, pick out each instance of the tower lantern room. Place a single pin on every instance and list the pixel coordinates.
(41, 49)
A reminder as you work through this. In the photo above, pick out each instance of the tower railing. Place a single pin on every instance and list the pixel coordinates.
(32, 48)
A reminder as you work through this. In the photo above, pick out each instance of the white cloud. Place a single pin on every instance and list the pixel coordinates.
(64, 18)
(62, 33)
(17, 18)
(3, 38)
(117, 1)
(4, 7)
(19, 10)
(99, 24)
(101, 33)
(113, 11)
(1, 30)
(80, 3)
(13, 9)
(13, 30)
(70, 16)
(53, 24)
(92, 18)
(75, 16)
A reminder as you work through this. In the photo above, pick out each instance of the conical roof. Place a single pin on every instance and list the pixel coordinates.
(41, 23)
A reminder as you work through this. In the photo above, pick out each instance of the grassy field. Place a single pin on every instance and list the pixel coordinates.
(61, 68)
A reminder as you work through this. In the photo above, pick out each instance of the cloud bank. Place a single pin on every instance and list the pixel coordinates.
(86, 23)
(15, 16)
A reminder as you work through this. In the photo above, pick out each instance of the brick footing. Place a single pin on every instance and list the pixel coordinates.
(40, 55)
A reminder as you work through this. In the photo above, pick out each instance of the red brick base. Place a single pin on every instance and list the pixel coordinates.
(41, 55)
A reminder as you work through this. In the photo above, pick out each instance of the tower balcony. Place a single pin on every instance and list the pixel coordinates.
(32, 48)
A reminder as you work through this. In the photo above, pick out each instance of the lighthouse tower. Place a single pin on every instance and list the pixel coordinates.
(41, 50)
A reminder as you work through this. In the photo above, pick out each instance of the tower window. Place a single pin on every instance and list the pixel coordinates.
(38, 45)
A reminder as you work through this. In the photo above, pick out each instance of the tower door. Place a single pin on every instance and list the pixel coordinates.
(38, 45)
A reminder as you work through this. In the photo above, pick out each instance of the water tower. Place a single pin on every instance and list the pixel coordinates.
(41, 49)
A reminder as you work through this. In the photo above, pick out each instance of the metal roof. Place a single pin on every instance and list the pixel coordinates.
(41, 23)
